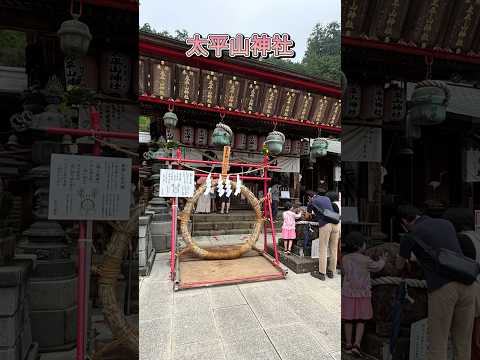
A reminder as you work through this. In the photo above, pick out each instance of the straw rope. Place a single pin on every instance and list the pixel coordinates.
(233, 252)
(124, 333)
(390, 280)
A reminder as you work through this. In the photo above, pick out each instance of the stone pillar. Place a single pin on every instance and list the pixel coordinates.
(52, 286)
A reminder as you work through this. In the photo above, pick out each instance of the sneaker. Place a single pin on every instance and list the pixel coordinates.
(356, 350)
(330, 274)
(348, 349)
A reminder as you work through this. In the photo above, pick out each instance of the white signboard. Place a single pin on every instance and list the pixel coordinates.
(285, 195)
(176, 183)
(89, 188)
(315, 253)
(419, 341)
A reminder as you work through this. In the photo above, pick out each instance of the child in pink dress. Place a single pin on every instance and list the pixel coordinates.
(288, 228)
(356, 293)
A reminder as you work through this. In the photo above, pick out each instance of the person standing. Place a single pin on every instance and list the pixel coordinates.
(451, 304)
(337, 207)
(288, 227)
(275, 193)
(327, 234)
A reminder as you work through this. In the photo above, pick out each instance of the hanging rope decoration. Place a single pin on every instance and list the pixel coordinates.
(232, 252)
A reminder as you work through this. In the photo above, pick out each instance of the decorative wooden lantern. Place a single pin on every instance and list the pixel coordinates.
(115, 73)
(287, 103)
(261, 141)
(210, 84)
(201, 137)
(305, 148)
(275, 141)
(232, 87)
(287, 147)
(321, 109)
(395, 104)
(188, 135)
(161, 79)
(353, 101)
(188, 83)
(170, 119)
(75, 37)
(319, 147)
(372, 102)
(252, 96)
(305, 102)
(240, 141)
(252, 142)
(429, 103)
(173, 134)
(270, 100)
(296, 147)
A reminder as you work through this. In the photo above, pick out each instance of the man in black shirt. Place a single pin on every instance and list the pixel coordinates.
(450, 303)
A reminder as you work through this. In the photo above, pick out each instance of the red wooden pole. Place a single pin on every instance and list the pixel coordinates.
(92, 132)
(265, 190)
(80, 351)
(241, 176)
(172, 239)
(272, 226)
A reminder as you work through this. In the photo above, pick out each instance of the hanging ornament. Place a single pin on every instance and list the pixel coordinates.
(208, 184)
(429, 103)
(274, 142)
(74, 35)
(238, 186)
(222, 135)
(220, 188)
(170, 119)
(228, 186)
(319, 147)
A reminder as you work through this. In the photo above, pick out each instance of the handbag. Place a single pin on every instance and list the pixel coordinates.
(451, 264)
(330, 216)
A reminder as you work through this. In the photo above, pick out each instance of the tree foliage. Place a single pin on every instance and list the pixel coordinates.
(12, 48)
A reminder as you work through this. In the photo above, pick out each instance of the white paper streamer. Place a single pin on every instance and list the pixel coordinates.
(208, 182)
(238, 186)
(228, 186)
(220, 188)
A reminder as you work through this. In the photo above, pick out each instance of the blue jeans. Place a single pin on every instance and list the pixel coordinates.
(274, 208)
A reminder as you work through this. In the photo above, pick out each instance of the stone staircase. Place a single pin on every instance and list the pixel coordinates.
(234, 223)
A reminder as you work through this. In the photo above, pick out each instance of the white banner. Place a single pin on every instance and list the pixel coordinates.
(287, 164)
(472, 166)
(362, 144)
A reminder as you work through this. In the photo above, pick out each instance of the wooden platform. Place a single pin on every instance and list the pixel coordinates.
(254, 266)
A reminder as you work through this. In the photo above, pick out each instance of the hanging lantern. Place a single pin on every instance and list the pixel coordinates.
(429, 103)
(188, 135)
(222, 135)
(201, 137)
(287, 147)
(319, 147)
(74, 35)
(274, 142)
(252, 142)
(240, 141)
(170, 119)
(296, 147)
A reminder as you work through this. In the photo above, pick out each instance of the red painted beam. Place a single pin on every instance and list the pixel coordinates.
(279, 120)
(219, 65)
(129, 5)
(410, 50)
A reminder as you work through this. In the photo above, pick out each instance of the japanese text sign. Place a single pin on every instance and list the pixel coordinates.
(226, 160)
(89, 188)
(258, 45)
(176, 183)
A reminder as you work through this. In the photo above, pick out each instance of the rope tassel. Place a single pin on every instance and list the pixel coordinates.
(238, 186)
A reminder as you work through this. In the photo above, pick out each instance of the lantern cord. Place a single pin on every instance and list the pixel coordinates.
(171, 104)
(80, 8)
(222, 116)
(429, 62)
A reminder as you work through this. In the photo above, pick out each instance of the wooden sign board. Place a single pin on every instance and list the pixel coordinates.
(89, 188)
(226, 160)
(176, 183)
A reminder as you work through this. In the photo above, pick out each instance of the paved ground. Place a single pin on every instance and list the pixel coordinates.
(293, 319)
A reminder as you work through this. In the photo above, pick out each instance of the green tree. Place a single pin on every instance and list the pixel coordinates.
(12, 48)
(181, 35)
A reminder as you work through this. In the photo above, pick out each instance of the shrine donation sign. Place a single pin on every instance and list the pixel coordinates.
(89, 188)
(176, 183)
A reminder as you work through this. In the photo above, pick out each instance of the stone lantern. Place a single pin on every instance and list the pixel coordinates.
(319, 148)
(429, 103)
(75, 37)
(274, 142)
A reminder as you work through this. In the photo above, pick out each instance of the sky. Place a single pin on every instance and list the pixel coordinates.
(295, 17)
